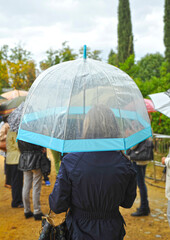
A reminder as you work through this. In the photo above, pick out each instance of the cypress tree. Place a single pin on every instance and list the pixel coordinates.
(167, 30)
(125, 37)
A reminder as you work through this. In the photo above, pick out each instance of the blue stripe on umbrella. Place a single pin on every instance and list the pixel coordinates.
(84, 144)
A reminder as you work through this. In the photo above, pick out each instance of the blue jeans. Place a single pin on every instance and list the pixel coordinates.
(141, 169)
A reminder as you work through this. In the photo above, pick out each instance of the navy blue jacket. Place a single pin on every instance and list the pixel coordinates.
(93, 185)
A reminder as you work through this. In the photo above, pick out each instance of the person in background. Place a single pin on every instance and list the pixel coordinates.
(12, 160)
(3, 133)
(94, 184)
(46, 168)
(30, 163)
(166, 161)
(57, 159)
(140, 163)
(46, 180)
(57, 156)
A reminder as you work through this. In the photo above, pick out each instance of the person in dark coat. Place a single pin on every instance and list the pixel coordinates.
(92, 185)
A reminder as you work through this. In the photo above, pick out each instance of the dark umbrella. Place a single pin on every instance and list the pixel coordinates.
(15, 117)
(7, 107)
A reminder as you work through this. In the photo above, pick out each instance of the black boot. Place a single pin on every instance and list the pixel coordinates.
(141, 212)
(38, 216)
(28, 214)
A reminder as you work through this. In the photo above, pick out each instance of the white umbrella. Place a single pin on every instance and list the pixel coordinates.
(161, 102)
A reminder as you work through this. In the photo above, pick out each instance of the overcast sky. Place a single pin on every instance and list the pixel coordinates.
(42, 24)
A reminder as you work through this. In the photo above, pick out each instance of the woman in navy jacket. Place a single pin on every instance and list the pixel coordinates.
(93, 185)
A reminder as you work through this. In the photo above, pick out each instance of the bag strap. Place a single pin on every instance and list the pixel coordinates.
(50, 211)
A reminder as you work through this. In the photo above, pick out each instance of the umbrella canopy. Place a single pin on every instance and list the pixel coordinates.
(149, 105)
(2, 99)
(7, 107)
(14, 93)
(15, 117)
(62, 96)
(161, 102)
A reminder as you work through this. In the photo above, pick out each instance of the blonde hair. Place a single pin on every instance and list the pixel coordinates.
(100, 122)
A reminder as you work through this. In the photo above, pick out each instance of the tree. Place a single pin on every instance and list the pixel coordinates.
(129, 66)
(22, 74)
(21, 68)
(4, 78)
(167, 31)
(149, 66)
(52, 59)
(90, 54)
(56, 56)
(66, 53)
(113, 58)
(125, 37)
(160, 123)
(4, 52)
(19, 54)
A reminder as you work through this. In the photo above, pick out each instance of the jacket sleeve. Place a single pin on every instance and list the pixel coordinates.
(60, 198)
(130, 193)
(11, 143)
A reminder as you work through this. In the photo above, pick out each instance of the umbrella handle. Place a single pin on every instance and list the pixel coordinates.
(84, 52)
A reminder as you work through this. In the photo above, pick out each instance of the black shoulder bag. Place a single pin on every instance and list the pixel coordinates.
(143, 151)
(45, 164)
(51, 232)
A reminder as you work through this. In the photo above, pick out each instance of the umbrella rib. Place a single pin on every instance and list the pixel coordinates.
(65, 128)
(115, 96)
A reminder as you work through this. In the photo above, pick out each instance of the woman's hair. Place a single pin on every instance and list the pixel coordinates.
(100, 122)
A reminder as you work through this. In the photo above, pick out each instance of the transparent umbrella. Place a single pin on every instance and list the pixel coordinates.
(61, 97)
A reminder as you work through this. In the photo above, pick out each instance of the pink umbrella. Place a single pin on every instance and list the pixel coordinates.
(149, 105)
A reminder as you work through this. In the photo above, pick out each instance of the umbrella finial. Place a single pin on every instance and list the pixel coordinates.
(84, 52)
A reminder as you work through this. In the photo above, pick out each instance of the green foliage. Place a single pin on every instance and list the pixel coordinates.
(129, 66)
(56, 56)
(125, 37)
(151, 76)
(22, 73)
(160, 123)
(21, 68)
(4, 78)
(113, 58)
(19, 54)
(16, 65)
(66, 53)
(52, 59)
(4, 52)
(149, 66)
(167, 31)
